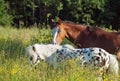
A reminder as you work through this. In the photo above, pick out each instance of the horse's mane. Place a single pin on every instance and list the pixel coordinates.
(99, 29)
(71, 23)
(95, 29)
(88, 28)
(117, 33)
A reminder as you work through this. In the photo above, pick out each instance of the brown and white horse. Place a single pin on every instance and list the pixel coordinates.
(84, 36)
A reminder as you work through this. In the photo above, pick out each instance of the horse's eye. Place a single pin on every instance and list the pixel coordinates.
(31, 58)
(59, 30)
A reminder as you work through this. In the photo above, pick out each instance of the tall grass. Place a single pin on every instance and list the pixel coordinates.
(14, 64)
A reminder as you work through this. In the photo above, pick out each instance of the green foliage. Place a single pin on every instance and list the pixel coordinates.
(5, 18)
(39, 12)
(84, 10)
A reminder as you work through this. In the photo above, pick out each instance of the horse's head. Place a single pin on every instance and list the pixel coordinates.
(30, 52)
(35, 53)
(58, 31)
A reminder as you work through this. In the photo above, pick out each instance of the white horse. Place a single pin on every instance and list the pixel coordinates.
(57, 53)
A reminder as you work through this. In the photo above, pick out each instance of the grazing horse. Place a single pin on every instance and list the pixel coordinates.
(84, 36)
(53, 54)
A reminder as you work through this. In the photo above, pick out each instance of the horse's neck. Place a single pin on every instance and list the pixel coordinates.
(73, 32)
(48, 50)
(76, 34)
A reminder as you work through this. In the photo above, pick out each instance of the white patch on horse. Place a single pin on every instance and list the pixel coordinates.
(54, 33)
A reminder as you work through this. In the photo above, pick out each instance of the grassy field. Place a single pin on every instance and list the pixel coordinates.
(14, 64)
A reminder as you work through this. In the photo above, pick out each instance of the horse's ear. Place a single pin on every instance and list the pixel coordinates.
(59, 21)
(51, 22)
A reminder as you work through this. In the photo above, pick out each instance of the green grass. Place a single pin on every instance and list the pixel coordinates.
(14, 64)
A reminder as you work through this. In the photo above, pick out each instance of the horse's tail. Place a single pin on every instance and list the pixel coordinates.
(114, 65)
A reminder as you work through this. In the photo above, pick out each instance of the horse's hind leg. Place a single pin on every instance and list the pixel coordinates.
(101, 76)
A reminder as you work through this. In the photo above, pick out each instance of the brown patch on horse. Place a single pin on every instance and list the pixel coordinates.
(103, 62)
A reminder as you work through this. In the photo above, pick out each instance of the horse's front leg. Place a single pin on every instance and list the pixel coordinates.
(118, 55)
(36, 63)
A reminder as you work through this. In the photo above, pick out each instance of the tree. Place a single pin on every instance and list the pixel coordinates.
(111, 15)
(90, 12)
(83, 11)
(5, 18)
